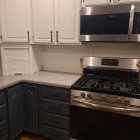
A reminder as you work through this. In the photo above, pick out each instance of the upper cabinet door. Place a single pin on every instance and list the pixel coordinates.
(14, 20)
(43, 20)
(56, 21)
(67, 16)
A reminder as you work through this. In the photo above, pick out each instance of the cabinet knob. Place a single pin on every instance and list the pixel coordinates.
(14, 94)
(30, 92)
(83, 95)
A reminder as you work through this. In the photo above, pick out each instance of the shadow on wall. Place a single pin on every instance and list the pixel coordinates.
(37, 58)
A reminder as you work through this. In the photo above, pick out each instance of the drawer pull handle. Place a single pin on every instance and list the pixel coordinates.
(14, 94)
(54, 121)
(30, 92)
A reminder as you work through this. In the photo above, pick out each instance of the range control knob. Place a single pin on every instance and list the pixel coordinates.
(83, 95)
(89, 96)
(104, 97)
(126, 102)
(118, 101)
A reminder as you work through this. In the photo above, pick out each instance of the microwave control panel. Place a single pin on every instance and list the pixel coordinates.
(136, 23)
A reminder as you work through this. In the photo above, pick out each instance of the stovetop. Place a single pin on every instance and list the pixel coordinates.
(111, 85)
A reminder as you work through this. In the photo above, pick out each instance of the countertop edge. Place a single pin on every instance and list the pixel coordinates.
(12, 80)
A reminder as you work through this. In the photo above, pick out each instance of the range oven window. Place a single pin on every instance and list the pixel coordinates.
(105, 24)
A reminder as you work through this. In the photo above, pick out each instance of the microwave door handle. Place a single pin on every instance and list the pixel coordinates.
(132, 11)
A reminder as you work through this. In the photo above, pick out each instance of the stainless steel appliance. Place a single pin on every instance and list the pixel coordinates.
(108, 84)
(114, 23)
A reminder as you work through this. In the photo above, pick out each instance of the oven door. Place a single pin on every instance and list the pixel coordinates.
(90, 124)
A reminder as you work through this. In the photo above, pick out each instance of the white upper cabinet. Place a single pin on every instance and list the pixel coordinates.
(67, 21)
(96, 2)
(56, 21)
(15, 20)
(43, 20)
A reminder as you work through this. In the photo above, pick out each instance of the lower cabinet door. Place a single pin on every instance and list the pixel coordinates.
(4, 131)
(15, 105)
(53, 133)
(30, 108)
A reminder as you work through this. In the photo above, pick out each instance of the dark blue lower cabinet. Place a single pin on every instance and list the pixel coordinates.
(53, 106)
(54, 111)
(30, 108)
(53, 133)
(35, 109)
(15, 106)
(4, 128)
(4, 131)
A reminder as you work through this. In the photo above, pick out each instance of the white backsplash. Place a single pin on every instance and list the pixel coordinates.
(67, 58)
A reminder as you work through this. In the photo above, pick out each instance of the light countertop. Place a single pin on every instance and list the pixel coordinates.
(45, 78)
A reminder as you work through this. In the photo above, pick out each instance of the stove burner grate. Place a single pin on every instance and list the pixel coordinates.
(118, 84)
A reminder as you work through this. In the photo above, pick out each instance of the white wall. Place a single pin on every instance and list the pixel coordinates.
(67, 58)
(36, 58)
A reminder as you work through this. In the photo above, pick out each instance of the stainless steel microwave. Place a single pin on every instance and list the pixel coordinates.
(113, 23)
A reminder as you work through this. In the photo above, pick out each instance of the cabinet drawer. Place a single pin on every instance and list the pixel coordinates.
(55, 93)
(2, 99)
(4, 132)
(54, 106)
(54, 120)
(54, 133)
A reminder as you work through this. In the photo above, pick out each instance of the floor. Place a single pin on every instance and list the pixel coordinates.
(30, 137)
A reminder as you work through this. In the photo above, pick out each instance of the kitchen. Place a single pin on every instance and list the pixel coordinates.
(32, 41)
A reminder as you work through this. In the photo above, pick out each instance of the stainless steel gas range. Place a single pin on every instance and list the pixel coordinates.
(108, 84)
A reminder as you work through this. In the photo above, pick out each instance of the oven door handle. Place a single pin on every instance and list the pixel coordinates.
(103, 106)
